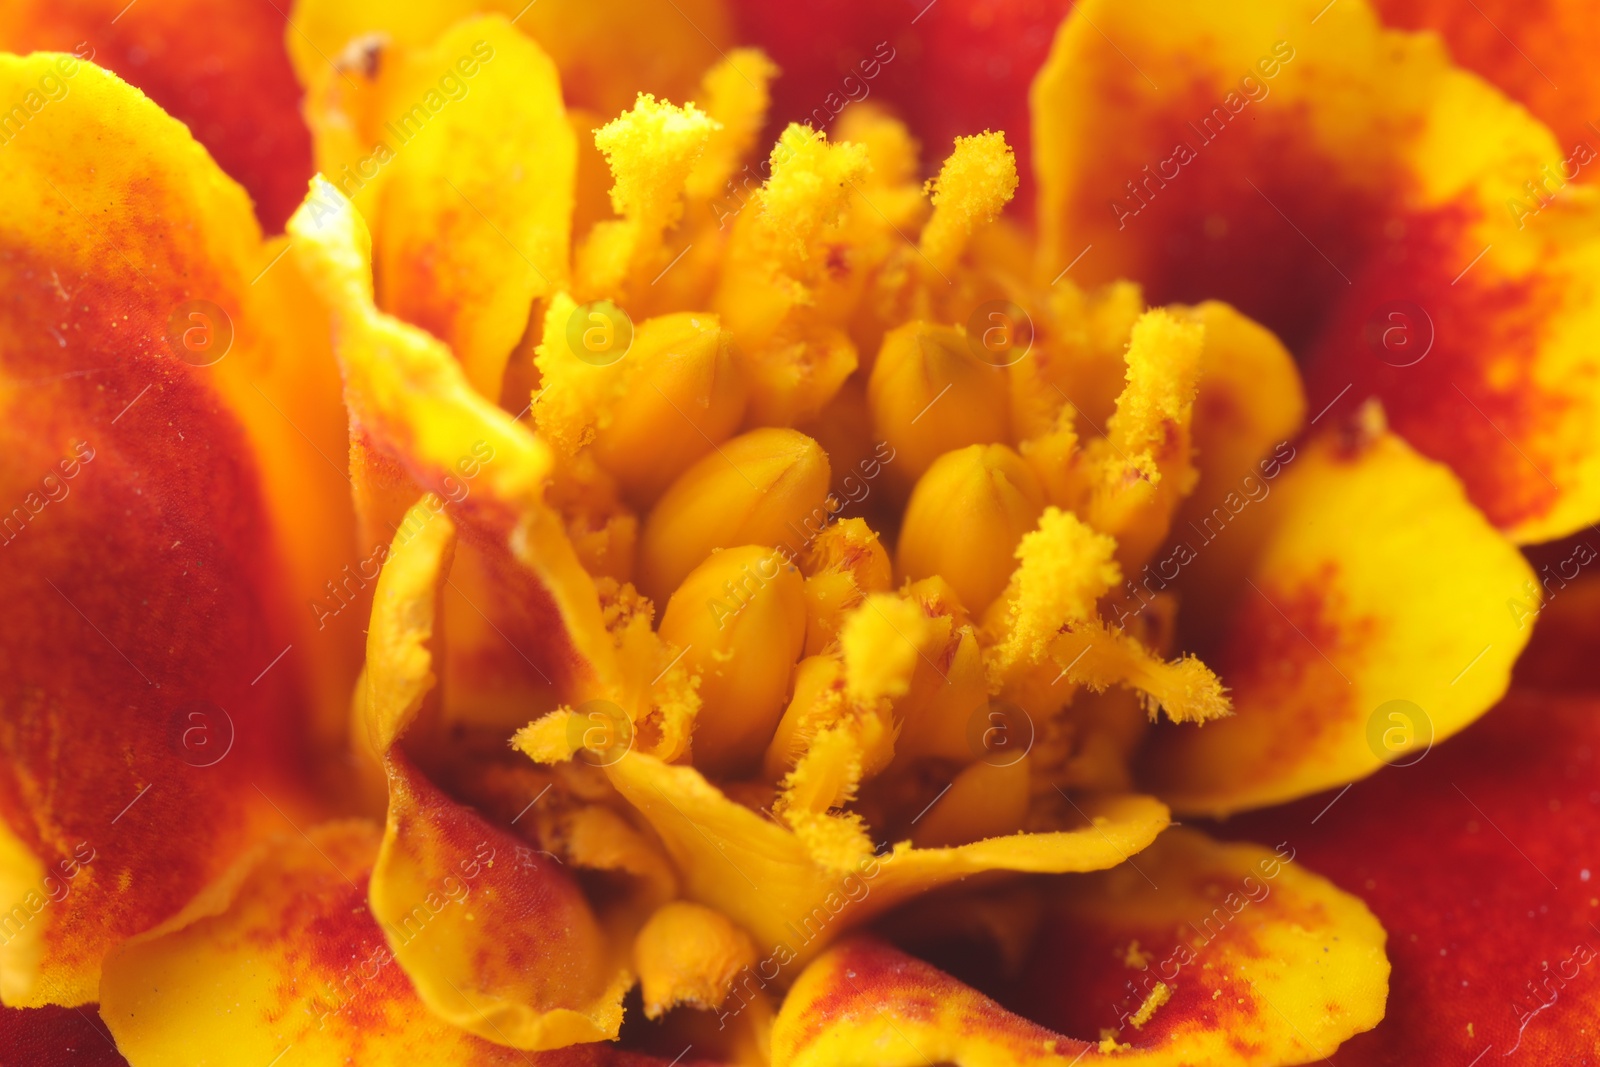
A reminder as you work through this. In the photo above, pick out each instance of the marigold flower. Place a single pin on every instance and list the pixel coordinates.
(627, 572)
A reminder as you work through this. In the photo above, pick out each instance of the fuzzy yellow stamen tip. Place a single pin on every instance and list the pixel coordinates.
(1065, 567)
(975, 183)
(736, 94)
(651, 151)
(809, 188)
(881, 643)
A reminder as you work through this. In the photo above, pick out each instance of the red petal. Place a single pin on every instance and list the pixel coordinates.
(1482, 861)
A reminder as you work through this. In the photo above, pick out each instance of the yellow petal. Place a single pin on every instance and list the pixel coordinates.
(436, 147)
(471, 965)
(1282, 967)
(607, 51)
(762, 876)
(1336, 627)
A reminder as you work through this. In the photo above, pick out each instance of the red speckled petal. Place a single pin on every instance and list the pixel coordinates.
(282, 962)
(1282, 967)
(218, 66)
(57, 1037)
(1390, 216)
(1335, 645)
(1482, 863)
(155, 659)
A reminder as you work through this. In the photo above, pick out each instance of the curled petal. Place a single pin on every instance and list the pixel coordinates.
(156, 662)
(418, 424)
(1280, 976)
(764, 877)
(522, 960)
(1334, 647)
(1390, 216)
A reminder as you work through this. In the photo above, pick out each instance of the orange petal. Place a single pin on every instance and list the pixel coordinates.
(460, 154)
(607, 52)
(220, 68)
(1513, 796)
(1283, 967)
(159, 619)
(1388, 215)
(1333, 645)
(283, 959)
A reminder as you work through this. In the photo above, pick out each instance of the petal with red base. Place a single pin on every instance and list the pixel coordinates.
(156, 708)
(1348, 187)
(1282, 968)
(220, 68)
(1369, 619)
(1481, 862)
(282, 961)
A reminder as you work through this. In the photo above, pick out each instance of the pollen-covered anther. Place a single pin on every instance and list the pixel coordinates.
(974, 184)
(965, 518)
(740, 618)
(651, 149)
(1064, 567)
(765, 487)
(930, 393)
(1145, 462)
